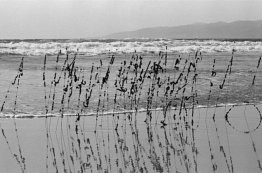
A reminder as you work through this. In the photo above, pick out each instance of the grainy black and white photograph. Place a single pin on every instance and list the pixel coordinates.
(130, 86)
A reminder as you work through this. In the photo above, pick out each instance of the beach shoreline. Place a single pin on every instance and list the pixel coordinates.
(130, 113)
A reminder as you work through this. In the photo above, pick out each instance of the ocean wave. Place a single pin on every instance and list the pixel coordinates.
(97, 47)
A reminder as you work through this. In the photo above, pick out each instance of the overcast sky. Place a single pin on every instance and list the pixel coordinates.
(24, 19)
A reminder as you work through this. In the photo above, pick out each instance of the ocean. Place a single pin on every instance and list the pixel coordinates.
(90, 47)
(239, 86)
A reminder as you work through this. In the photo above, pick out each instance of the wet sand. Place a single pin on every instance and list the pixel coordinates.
(212, 142)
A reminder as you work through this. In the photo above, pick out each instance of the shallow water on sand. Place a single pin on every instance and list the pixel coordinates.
(237, 88)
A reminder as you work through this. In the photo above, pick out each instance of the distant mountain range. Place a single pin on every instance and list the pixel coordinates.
(219, 30)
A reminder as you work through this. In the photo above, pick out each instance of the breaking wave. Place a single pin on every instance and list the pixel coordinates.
(103, 46)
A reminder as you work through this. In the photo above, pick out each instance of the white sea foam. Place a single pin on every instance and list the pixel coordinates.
(111, 112)
(126, 46)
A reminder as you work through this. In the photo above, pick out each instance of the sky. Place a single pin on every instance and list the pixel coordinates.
(68, 19)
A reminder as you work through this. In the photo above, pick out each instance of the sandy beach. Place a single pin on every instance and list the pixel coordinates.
(159, 149)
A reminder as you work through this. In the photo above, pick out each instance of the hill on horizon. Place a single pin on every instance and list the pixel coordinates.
(218, 30)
